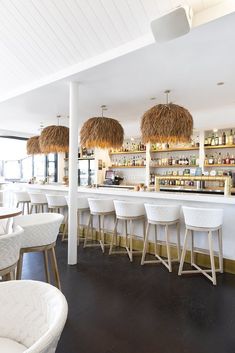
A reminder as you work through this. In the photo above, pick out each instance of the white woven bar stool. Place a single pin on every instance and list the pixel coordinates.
(32, 317)
(58, 204)
(100, 208)
(82, 207)
(22, 199)
(40, 234)
(9, 253)
(128, 213)
(38, 202)
(166, 216)
(206, 220)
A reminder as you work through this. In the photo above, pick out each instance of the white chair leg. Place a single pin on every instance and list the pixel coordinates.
(212, 257)
(178, 240)
(88, 230)
(192, 247)
(183, 253)
(220, 250)
(155, 239)
(145, 244)
(131, 239)
(114, 235)
(168, 248)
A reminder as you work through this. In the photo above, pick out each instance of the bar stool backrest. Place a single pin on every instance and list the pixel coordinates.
(203, 217)
(22, 196)
(40, 229)
(56, 201)
(10, 248)
(101, 205)
(129, 209)
(82, 202)
(37, 198)
(162, 213)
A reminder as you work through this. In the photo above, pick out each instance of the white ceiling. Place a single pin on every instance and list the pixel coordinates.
(44, 40)
(190, 66)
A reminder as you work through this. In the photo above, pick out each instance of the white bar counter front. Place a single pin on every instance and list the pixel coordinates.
(227, 203)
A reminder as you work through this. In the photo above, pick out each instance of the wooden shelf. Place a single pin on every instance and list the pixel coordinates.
(175, 166)
(127, 166)
(176, 149)
(81, 159)
(218, 147)
(219, 165)
(128, 152)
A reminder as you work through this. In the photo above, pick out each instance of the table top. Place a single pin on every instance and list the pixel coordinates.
(8, 212)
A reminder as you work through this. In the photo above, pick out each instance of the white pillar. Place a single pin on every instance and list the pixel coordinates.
(73, 177)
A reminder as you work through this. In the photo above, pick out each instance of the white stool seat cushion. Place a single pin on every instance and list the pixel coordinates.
(82, 202)
(56, 201)
(37, 198)
(22, 196)
(203, 217)
(10, 248)
(162, 213)
(33, 314)
(101, 205)
(9, 346)
(129, 209)
(39, 229)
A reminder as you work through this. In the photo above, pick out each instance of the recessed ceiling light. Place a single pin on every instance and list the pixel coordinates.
(220, 83)
(215, 130)
(132, 139)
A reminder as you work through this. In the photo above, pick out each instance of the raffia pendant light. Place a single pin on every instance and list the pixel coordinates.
(54, 139)
(33, 146)
(167, 123)
(101, 132)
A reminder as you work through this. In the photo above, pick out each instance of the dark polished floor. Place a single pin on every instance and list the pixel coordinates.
(119, 307)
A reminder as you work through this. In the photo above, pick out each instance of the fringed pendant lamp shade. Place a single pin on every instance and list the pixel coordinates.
(54, 139)
(167, 123)
(33, 146)
(101, 132)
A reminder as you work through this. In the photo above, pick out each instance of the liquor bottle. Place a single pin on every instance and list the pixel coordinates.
(224, 138)
(230, 138)
(220, 140)
(219, 159)
(234, 138)
(224, 160)
(227, 159)
(216, 140)
(232, 159)
(206, 141)
(211, 160)
(209, 140)
(216, 159)
(212, 140)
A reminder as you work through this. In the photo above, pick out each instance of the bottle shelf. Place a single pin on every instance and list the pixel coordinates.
(127, 152)
(81, 159)
(219, 165)
(175, 166)
(218, 147)
(127, 166)
(176, 149)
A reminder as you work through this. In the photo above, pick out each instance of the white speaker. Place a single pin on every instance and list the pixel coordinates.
(175, 23)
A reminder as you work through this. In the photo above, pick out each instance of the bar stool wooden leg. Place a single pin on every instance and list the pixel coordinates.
(102, 240)
(114, 235)
(31, 209)
(88, 230)
(19, 266)
(55, 268)
(28, 207)
(183, 253)
(178, 240)
(210, 240)
(145, 244)
(192, 247)
(131, 239)
(46, 265)
(220, 250)
(168, 250)
(155, 239)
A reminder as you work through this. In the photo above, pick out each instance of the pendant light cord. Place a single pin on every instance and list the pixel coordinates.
(167, 92)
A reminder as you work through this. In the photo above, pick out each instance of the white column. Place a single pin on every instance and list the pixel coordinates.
(73, 177)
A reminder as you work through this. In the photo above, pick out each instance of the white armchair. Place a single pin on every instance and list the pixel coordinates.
(32, 317)
(10, 252)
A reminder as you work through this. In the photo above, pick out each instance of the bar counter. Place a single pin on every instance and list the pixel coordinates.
(162, 197)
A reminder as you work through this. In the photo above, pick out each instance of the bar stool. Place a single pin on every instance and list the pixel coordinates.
(127, 212)
(58, 204)
(38, 202)
(100, 208)
(22, 198)
(162, 215)
(40, 235)
(203, 220)
(82, 207)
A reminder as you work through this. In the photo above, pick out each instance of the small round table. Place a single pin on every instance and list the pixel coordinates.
(8, 213)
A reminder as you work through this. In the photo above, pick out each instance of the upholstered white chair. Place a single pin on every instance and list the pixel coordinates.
(32, 317)
(40, 234)
(58, 204)
(9, 253)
